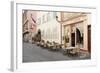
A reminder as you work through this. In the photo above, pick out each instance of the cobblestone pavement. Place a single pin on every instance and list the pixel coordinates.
(34, 53)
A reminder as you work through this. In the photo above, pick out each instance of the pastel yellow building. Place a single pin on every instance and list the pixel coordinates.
(72, 23)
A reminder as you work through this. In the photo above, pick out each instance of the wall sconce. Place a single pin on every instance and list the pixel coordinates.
(58, 20)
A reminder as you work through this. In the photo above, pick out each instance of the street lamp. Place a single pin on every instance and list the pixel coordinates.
(59, 20)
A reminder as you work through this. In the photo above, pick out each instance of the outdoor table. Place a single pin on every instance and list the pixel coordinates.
(67, 50)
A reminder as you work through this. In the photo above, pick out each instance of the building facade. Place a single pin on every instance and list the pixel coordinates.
(50, 28)
(70, 28)
(75, 28)
(29, 24)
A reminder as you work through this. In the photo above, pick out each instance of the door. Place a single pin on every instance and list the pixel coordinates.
(73, 39)
(89, 38)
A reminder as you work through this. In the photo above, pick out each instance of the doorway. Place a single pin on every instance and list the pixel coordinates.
(89, 38)
(73, 39)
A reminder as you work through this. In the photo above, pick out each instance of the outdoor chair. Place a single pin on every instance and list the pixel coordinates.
(55, 46)
(64, 50)
(38, 43)
(50, 45)
(75, 52)
(47, 45)
(42, 43)
(58, 47)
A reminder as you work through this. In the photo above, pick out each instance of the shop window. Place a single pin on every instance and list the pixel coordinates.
(79, 34)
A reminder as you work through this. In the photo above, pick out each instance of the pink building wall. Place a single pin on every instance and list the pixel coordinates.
(31, 16)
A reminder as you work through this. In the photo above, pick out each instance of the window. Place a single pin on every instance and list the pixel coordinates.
(43, 19)
(48, 16)
(54, 14)
(39, 21)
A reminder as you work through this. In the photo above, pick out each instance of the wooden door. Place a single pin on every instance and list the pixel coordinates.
(89, 38)
(73, 39)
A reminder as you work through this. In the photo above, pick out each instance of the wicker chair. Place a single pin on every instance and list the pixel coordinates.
(75, 52)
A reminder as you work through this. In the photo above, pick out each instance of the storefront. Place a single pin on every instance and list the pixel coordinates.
(75, 32)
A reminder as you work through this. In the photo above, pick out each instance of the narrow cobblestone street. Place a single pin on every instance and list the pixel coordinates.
(34, 53)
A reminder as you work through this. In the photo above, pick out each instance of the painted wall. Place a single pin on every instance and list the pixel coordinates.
(81, 22)
(31, 17)
(50, 28)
